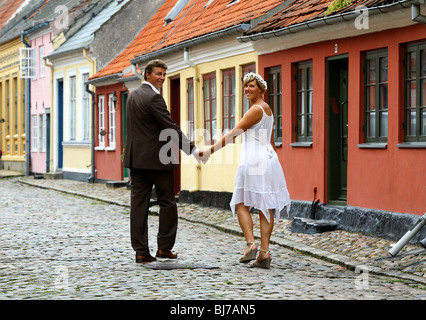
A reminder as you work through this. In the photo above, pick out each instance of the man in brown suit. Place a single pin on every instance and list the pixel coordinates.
(147, 153)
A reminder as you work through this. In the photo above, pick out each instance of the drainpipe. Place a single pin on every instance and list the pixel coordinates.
(416, 14)
(136, 73)
(196, 83)
(93, 168)
(27, 114)
(52, 111)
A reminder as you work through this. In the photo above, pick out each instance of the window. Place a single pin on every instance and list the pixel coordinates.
(304, 102)
(209, 93)
(176, 10)
(228, 91)
(274, 100)
(111, 122)
(27, 63)
(8, 107)
(101, 124)
(246, 69)
(42, 65)
(85, 109)
(15, 102)
(73, 108)
(34, 142)
(415, 93)
(190, 84)
(376, 96)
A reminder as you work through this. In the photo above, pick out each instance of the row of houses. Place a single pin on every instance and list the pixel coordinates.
(347, 87)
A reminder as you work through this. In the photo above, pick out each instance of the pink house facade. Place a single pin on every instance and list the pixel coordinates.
(41, 43)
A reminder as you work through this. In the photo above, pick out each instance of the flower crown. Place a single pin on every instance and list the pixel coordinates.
(251, 75)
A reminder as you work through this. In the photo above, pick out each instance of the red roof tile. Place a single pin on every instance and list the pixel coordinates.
(7, 10)
(195, 20)
(305, 10)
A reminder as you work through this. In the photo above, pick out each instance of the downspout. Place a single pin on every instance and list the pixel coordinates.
(27, 114)
(416, 13)
(92, 176)
(136, 73)
(196, 84)
(51, 108)
(93, 168)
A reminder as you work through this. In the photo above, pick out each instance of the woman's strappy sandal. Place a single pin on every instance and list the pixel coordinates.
(251, 255)
(265, 263)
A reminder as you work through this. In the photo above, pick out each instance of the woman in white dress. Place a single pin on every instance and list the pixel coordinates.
(260, 181)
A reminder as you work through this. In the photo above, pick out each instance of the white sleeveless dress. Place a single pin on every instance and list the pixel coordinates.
(260, 181)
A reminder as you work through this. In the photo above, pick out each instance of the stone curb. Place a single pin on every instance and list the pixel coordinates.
(341, 260)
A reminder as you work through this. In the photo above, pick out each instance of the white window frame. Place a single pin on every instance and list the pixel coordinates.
(42, 62)
(101, 122)
(85, 109)
(35, 141)
(72, 105)
(111, 123)
(27, 63)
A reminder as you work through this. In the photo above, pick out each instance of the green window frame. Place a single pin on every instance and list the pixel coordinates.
(376, 97)
(415, 93)
(304, 101)
(274, 94)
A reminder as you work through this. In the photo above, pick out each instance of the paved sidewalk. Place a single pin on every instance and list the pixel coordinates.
(350, 250)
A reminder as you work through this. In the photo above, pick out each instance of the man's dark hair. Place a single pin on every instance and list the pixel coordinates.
(152, 64)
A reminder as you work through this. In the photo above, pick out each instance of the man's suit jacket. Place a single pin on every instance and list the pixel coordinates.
(147, 118)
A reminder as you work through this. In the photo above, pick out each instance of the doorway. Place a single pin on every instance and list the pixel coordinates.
(337, 130)
(60, 119)
(175, 114)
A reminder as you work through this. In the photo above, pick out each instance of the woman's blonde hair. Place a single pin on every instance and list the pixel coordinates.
(254, 76)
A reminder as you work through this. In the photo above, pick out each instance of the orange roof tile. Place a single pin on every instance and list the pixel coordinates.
(195, 20)
(305, 10)
(8, 9)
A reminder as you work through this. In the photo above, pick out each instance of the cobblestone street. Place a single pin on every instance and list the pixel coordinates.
(63, 246)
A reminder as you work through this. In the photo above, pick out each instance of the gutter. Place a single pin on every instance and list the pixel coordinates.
(27, 122)
(188, 61)
(346, 16)
(92, 147)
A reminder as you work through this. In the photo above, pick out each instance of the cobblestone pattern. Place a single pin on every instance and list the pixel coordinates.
(62, 246)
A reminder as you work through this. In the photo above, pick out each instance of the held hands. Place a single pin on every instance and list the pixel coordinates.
(204, 154)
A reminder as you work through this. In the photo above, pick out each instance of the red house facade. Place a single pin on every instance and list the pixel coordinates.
(349, 102)
(110, 115)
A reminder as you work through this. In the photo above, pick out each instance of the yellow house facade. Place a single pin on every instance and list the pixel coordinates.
(12, 107)
(71, 116)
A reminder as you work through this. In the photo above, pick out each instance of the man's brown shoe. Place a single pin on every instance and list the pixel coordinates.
(145, 258)
(166, 254)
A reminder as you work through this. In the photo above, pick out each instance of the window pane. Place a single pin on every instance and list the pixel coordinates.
(412, 94)
(207, 110)
(384, 124)
(301, 125)
(384, 96)
(411, 65)
(226, 85)
(411, 122)
(310, 125)
(371, 71)
(371, 124)
(384, 69)
(206, 89)
(424, 122)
